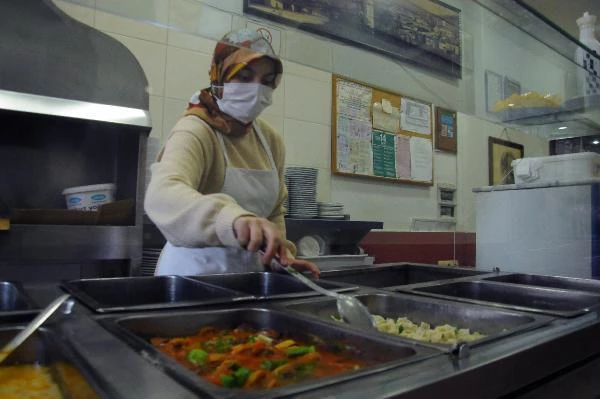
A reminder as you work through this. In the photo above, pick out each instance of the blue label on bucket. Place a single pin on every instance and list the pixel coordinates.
(98, 197)
(74, 200)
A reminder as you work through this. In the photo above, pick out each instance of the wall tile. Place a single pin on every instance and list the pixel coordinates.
(199, 19)
(156, 116)
(234, 6)
(309, 50)
(293, 68)
(187, 72)
(191, 42)
(151, 57)
(76, 11)
(307, 99)
(307, 144)
(173, 109)
(130, 27)
(154, 12)
(324, 185)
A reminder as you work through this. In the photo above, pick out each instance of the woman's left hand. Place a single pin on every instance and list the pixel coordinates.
(287, 259)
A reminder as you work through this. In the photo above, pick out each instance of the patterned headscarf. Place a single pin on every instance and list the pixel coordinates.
(232, 53)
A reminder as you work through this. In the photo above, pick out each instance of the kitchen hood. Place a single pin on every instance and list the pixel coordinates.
(46, 53)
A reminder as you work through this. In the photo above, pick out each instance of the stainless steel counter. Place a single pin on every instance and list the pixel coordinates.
(560, 357)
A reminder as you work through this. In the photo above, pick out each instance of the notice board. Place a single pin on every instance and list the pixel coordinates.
(380, 134)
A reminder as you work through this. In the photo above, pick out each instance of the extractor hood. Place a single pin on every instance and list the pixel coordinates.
(48, 55)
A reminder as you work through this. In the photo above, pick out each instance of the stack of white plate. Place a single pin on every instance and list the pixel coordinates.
(331, 210)
(302, 192)
(149, 261)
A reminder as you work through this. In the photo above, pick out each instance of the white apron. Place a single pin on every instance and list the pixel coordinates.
(256, 191)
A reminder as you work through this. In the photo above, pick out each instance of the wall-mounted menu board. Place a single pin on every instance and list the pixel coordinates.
(380, 134)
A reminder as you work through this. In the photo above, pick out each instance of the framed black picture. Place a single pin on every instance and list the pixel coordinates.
(501, 153)
(423, 32)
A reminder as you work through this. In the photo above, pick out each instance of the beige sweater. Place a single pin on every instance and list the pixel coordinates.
(183, 197)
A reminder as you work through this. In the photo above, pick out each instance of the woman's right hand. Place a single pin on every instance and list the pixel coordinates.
(254, 233)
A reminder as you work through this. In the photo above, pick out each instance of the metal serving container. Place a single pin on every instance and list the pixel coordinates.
(494, 323)
(566, 283)
(73, 379)
(389, 277)
(532, 299)
(264, 285)
(14, 301)
(147, 293)
(384, 353)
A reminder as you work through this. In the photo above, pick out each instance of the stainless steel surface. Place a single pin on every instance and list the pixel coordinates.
(31, 327)
(43, 242)
(264, 285)
(68, 372)
(32, 103)
(14, 301)
(498, 368)
(140, 293)
(494, 323)
(351, 310)
(533, 299)
(381, 354)
(396, 275)
(566, 283)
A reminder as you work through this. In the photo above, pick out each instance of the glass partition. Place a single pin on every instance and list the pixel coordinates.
(478, 58)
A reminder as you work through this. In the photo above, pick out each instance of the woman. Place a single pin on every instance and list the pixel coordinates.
(217, 190)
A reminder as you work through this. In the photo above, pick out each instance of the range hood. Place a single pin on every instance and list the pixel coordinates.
(47, 54)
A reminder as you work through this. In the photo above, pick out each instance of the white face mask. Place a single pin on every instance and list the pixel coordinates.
(245, 101)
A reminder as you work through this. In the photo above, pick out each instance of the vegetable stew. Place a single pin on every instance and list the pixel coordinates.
(256, 359)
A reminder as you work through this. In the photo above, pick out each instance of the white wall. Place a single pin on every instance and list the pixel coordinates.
(173, 41)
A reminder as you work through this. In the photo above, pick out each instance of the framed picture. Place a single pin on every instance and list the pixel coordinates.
(424, 32)
(494, 90)
(501, 153)
(445, 129)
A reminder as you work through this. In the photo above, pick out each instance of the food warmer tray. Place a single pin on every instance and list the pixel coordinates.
(494, 323)
(136, 330)
(556, 302)
(121, 294)
(264, 285)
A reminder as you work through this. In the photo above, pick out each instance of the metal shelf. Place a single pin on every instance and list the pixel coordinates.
(70, 243)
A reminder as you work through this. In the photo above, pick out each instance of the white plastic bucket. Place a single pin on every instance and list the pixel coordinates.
(89, 198)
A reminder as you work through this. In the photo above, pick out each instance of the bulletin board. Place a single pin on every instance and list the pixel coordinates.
(379, 134)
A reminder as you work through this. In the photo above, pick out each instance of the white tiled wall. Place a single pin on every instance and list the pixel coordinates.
(177, 59)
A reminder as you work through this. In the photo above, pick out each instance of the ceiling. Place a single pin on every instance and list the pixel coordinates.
(564, 13)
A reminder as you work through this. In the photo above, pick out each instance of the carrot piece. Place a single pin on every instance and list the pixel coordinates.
(309, 358)
(284, 369)
(240, 348)
(254, 377)
(216, 357)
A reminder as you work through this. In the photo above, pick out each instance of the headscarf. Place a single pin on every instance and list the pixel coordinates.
(232, 53)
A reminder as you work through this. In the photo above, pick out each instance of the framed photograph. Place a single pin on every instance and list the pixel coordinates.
(445, 129)
(501, 153)
(494, 90)
(423, 32)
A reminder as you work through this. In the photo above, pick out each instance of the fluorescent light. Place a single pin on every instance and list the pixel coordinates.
(562, 128)
(595, 142)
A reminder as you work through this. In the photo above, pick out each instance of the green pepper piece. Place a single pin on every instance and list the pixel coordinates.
(299, 350)
(197, 356)
(228, 381)
(241, 375)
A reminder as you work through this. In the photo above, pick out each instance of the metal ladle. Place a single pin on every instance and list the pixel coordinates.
(350, 309)
(31, 327)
